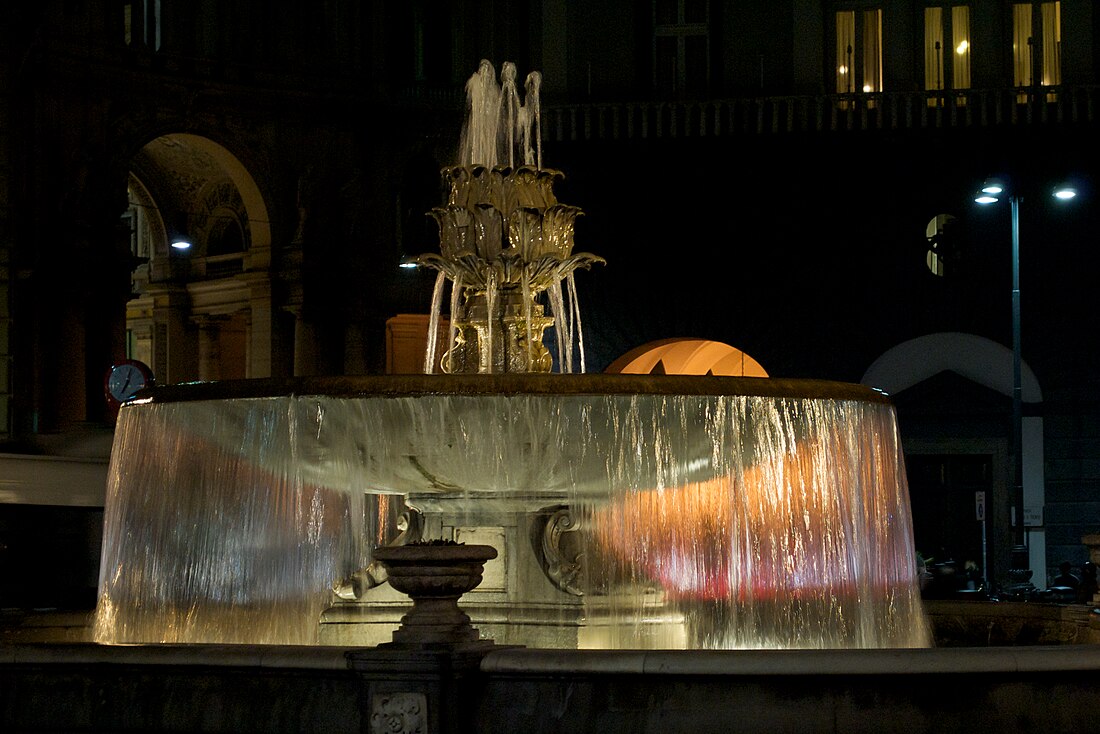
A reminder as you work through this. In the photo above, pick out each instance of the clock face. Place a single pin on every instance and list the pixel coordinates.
(124, 380)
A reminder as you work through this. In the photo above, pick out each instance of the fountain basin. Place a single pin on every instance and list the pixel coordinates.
(738, 512)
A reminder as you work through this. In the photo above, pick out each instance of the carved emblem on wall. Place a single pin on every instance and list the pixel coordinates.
(404, 712)
(560, 549)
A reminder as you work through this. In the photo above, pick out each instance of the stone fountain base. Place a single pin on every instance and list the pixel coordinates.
(270, 689)
(529, 592)
(597, 627)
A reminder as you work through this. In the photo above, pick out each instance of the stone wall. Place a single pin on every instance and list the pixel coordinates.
(294, 689)
(983, 624)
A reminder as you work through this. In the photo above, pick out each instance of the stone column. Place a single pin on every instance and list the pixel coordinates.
(175, 349)
(305, 348)
(355, 362)
(261, 325)
(209, 349)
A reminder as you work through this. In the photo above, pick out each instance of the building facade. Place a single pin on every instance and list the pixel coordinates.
(767, 175)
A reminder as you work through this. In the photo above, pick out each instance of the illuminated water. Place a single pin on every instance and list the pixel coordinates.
(505, 242)
(763, 513)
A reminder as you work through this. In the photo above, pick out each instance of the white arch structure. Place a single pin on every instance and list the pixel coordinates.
(686, 356)
(976, 358)
(987, 363)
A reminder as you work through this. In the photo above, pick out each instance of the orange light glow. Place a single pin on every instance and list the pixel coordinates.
(777, 530)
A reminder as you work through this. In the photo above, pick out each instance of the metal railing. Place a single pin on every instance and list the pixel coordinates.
(824, 113)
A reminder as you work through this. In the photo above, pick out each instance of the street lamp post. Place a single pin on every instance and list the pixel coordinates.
(1020, 572)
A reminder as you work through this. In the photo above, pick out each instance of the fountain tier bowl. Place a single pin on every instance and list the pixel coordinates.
(491, 433)
(752, 512)
(511, 384)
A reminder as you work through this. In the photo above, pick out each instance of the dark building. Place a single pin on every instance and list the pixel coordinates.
(764, 174)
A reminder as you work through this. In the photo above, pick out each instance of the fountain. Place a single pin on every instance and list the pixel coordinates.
(504, 240)
(624, 511)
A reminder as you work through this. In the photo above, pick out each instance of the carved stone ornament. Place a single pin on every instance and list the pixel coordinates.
(560, 549)
(411, 525)
(403, 712)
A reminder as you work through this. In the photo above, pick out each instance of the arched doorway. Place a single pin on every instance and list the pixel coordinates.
(950, 390)
(200, 233)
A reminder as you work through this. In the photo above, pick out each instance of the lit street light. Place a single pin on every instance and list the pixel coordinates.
(1020, 572)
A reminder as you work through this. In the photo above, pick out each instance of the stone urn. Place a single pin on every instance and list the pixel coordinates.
(434, 575)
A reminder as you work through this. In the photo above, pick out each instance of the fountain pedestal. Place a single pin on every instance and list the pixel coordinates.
(506, 339)
(434, 576)
(421, 680)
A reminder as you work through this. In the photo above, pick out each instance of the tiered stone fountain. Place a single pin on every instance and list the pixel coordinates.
(624, 511)
(506, 242)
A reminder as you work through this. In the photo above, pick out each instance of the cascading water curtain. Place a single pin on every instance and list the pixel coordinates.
(790, 529)
(215, 530)
(708, 521)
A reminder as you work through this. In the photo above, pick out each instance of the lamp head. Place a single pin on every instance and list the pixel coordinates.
(993, 189)
(990, 192)
(1064, 192)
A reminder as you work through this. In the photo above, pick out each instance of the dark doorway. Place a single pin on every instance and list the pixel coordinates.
(943, 491)
(49, 556)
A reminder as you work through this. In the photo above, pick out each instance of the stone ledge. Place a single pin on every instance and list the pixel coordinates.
(303, 657)
(796, 662)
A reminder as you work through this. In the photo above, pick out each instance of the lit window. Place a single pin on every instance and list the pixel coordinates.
(933, 48)
(946, 66)
(845, 51)
(872, 51)
(858, 52)
(960, 43)
(1022, 43)
(1051, 14)
(1036, 57)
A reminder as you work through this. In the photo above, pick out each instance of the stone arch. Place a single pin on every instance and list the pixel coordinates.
(214, 306)
(200, 172)
(259, 222)
(976, 358)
